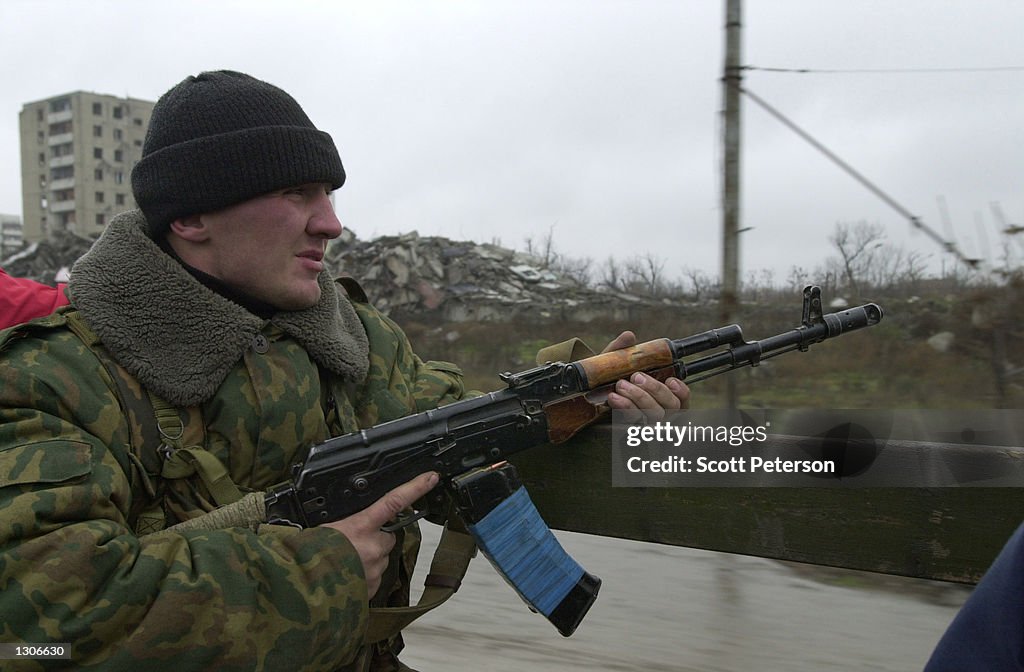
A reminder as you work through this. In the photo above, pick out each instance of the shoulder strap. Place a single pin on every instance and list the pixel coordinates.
(181, 448)
(133, 402)
(162, 444)
(451, 560)
(137, 408)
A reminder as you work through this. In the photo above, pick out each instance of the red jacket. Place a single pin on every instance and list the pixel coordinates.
(22, 300)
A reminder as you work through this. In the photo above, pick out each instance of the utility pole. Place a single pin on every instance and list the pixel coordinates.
(731, 78)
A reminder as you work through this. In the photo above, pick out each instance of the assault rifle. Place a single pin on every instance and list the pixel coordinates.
(467, 441)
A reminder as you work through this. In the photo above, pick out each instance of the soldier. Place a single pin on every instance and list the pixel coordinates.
(244, 351)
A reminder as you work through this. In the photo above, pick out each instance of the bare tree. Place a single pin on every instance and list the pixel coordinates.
(579, 270)
(797, 278)
(612, 275)
(760, 284)
(646, 272)
(701, 283)
(544, 249)
(894, 266)
(915, 268)
(857, 245)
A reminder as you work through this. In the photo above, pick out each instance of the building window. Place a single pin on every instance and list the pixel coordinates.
(118, 112)
(97, 108)
(138, 143)
(98, 175)
(119, 199)
(39, 114)
(101, 220)
(118, 134)
(62, 172)
(97, 131)
(99, 196)
(118, 155)
(97, 152)
(137, 121)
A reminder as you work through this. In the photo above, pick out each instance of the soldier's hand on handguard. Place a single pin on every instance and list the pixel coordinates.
(644, 393)
(363, 528)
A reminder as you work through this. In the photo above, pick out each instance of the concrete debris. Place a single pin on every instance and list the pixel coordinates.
(531, 274)
(435, 277)
(428, 278)
(942, 341)
(49, 260)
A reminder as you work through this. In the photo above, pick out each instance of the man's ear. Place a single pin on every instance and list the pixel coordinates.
(193, 228)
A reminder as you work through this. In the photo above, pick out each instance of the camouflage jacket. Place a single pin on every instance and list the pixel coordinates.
(73, 570)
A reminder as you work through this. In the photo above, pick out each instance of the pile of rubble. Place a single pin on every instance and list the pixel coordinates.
(456, 281)
(412, 275)
(49, 260)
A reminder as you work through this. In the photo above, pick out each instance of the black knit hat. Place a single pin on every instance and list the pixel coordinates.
(224, 137)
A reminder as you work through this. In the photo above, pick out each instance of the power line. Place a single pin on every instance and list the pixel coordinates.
(950, 246)
(883, 71)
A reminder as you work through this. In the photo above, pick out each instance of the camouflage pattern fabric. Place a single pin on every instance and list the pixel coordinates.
(71, 568)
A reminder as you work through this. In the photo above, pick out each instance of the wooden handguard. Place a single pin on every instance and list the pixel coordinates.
(611, 366)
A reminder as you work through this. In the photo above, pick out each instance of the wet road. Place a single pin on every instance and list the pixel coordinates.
(666, 608)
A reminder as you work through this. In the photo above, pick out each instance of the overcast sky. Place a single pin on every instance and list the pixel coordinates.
(596, 120)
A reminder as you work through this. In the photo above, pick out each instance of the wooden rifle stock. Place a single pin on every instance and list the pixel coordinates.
(609, 367)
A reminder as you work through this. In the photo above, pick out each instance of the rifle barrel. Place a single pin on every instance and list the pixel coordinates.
(753, 352)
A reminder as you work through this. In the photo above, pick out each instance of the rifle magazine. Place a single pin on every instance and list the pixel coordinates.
(521, 547)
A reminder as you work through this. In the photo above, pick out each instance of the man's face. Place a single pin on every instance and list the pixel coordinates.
(271, 247)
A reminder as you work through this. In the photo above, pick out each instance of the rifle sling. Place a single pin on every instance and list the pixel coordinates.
(447, 569)
(571, 350)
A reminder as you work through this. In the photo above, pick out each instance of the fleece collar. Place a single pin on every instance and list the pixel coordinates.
(179, 338)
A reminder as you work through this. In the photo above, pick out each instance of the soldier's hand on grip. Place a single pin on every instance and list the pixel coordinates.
(363, 529)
